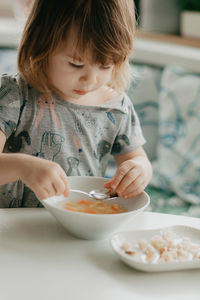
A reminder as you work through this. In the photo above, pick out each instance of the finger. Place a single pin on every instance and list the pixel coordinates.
(50, 190)
(135, 193)
(132, 187)
(138, 182)
(130, 179)
(66, 188)
(121, 172)
(59, 187)
(42, 194)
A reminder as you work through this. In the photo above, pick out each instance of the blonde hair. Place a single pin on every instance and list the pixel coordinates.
(106, 27)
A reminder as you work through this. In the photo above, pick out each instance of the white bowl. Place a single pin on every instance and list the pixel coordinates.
(89, 226)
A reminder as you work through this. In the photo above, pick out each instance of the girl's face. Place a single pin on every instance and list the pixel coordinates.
(73, 78)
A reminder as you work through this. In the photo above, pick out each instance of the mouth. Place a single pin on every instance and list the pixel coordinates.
(81, 92)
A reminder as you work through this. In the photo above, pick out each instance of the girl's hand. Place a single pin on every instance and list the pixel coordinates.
(131, 178)
(45, 178)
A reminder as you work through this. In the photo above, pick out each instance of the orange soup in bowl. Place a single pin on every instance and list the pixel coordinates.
(95, 207)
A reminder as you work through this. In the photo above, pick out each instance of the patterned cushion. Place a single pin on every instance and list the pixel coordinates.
(169, 203)
(144, 92)
(177, 168)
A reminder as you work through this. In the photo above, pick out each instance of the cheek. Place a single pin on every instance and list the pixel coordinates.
(105, 77)
(60, 68)
(63, 74)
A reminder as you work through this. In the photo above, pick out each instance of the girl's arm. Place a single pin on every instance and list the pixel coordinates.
(45, 178)
(8, 172)
(133, 174)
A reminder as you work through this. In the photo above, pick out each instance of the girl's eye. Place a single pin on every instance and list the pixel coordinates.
(76, 66)
(106, 67)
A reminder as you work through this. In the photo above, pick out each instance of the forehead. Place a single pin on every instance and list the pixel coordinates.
(72, 48)
(69, 44)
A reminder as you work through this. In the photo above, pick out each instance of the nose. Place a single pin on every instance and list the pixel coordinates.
(89, 76)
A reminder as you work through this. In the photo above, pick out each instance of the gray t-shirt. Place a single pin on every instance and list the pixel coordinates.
(80, 138)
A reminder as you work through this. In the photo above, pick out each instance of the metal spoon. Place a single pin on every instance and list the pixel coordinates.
(96, 194)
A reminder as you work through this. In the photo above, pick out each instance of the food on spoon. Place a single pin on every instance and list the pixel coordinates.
(112, 193)
(95, 207)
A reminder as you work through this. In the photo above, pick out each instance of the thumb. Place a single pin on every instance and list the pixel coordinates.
(66, 193)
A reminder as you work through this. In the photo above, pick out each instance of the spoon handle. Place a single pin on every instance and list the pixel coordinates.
(89, 195)
(79, 191)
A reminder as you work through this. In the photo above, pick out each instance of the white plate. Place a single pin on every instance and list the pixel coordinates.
(136, 261)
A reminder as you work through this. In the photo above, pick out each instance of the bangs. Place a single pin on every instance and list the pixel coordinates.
(103, 32)
(97, 55)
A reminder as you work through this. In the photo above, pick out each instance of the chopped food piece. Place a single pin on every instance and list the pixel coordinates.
(166, 247)
(130, 252)
(125, 246)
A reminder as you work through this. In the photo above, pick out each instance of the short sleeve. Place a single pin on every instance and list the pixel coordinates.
(9, 104)
(130, 135)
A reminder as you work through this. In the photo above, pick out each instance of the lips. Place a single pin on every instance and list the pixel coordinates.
(81, 92)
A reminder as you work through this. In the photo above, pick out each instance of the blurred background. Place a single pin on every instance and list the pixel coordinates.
(181, 17)
(165, 91)
(171, 16)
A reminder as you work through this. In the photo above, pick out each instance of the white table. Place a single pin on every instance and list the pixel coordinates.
(40, 260)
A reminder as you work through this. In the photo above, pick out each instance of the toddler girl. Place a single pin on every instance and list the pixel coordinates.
(65, 112)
